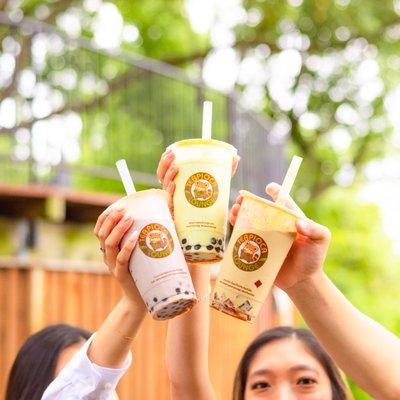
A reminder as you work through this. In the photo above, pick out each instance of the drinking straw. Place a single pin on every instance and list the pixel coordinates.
(207, 120)
(289, 180)
(125, 176)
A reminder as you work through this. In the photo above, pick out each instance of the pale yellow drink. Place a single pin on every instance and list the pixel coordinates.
(201, 197)
(260, 242)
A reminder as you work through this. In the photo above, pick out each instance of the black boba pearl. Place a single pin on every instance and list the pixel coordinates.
(220, 242)
(217, 249)
(210, 247)
(178, 290)
(188, 247)
(155, 299)
(186, 292)
(165, 299)
(197, 246)
(184, 241)
(213, 241)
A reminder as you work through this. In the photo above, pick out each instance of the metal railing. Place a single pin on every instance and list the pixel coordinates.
(88, 107)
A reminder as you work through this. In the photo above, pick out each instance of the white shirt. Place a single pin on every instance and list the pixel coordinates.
(81, 379)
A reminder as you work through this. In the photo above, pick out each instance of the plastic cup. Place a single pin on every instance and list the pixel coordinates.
(260, 242)
(201, 198)
(157, 264)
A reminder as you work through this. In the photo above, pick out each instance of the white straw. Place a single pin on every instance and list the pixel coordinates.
(125, 176)
(289, 180)
(207, 120)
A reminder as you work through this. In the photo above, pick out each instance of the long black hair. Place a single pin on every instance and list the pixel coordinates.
(338, 385)
(35, 364)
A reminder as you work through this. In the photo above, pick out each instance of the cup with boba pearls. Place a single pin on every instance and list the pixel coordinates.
(201, 197)
(157, 264)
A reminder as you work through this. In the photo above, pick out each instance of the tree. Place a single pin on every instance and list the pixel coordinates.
(53, 82)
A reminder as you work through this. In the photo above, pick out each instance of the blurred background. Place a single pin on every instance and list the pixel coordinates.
(84, 83)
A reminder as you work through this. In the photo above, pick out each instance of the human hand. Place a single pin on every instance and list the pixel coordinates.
(110, 228)
(167, 170)
(307, 254)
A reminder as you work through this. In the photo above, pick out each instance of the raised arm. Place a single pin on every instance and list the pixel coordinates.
(361, 347)
(187, 345)
(188, 334)
(113, 340)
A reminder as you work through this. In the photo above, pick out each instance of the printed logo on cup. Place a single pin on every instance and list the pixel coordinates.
(201, 190)
(155, 241)
(250, 252)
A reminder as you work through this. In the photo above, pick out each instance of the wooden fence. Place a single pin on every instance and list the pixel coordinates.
(32, 298)
(51, 272)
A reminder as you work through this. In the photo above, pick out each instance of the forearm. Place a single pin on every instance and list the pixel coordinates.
(113, 340)
(187, 344)
(361, 347)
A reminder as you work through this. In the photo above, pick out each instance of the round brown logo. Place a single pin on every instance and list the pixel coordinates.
(155, 241)
(201, 190)
(250, 252)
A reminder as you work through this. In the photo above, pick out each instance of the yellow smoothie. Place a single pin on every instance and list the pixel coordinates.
(260, 242)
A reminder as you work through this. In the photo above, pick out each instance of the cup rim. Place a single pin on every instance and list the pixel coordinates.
(147, 192)
(293, 213)
(200, 141)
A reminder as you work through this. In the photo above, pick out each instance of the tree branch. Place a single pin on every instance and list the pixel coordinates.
(24, 57)
(80, 106)
(59, 7)
(184, 59)
(22, 60)
(3, 4)
(360, 153)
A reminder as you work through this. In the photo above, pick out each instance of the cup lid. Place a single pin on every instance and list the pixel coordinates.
(203, 142)
(269, 203)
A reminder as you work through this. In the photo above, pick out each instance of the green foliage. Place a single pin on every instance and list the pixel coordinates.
(164, 29)
(360, 261)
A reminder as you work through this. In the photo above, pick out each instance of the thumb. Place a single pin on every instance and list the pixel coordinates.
(312, 230)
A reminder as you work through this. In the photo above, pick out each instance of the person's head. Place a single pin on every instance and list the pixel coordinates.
(41, 358)
(287, 363)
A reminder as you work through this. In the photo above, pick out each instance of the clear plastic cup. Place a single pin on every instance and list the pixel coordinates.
(201, 198)
(157, 265)
(260, 242)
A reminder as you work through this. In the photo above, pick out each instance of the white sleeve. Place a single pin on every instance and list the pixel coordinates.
(81, 379)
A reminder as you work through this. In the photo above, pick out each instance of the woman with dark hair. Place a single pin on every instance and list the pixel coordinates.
(63, 362)
(45, 351)
(288, 362)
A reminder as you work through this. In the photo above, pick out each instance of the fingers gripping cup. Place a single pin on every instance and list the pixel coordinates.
(260, 242)
(157, 265)
(201, 197)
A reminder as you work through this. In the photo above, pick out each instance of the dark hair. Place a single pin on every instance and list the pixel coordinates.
(35, 364)
(338, 385)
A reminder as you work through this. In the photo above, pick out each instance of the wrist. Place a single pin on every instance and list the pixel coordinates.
(307, 286)
(133, 306)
